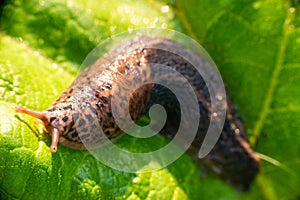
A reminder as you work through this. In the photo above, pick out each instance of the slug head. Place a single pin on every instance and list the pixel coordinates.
(50, 122)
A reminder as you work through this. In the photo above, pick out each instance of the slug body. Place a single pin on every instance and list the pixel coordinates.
(231, 158)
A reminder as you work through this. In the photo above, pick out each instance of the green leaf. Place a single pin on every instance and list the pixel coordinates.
(29, 170)
(42, 43)
(36, 66)
(256, 46)
(67, 31)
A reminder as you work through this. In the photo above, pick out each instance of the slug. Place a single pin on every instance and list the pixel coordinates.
(231, 158)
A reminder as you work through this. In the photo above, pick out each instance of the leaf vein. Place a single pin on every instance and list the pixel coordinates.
(273, 80)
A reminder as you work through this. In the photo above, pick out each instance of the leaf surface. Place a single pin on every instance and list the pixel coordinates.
(256, 45)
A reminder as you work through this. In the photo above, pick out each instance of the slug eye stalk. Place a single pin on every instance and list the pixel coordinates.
(43, 117)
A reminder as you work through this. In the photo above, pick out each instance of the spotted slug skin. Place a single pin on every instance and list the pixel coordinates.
(232, 158)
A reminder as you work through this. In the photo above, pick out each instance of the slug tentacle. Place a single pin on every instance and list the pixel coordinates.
(55, 139)
(39, 115)
(49, 121)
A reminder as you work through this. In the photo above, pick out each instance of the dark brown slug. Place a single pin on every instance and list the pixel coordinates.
(231, 158)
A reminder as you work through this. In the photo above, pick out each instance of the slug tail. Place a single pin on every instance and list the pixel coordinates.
(39, 115)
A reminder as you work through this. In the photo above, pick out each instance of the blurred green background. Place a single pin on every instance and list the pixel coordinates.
(255, 45)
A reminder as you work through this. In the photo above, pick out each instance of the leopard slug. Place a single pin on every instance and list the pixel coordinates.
(232, 158)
